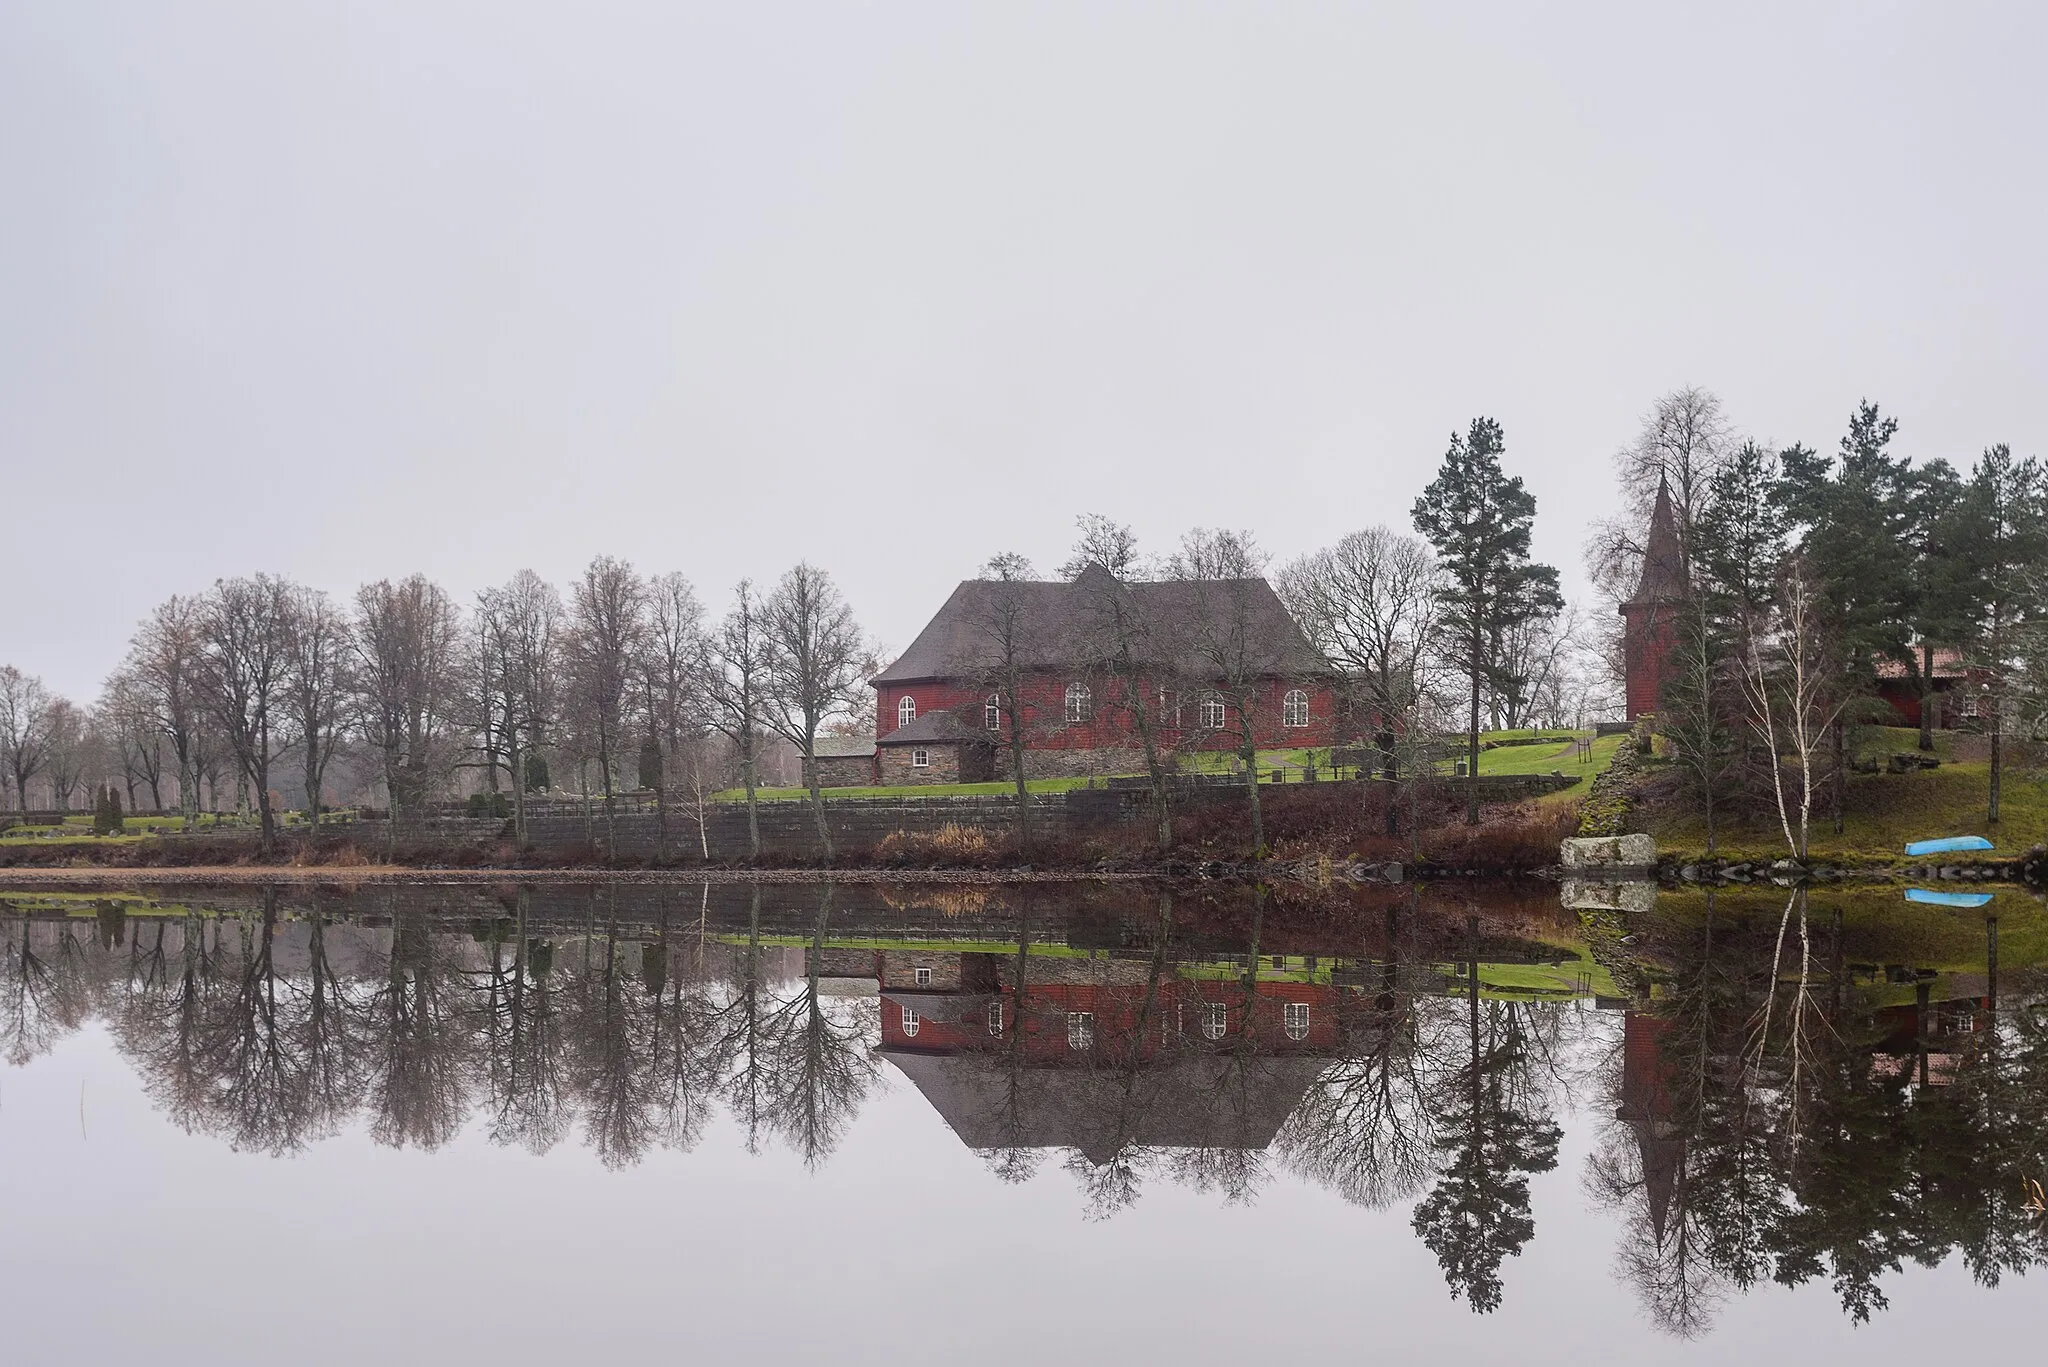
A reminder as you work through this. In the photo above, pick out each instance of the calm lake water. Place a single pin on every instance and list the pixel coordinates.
(569, 1123)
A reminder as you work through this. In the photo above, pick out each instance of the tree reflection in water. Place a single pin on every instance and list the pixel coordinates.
(1792, 1110)
(1778, 1092)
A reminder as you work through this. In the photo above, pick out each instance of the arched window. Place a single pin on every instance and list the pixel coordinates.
(992, 712)
(1215, 1019)
(1080, 703)
(1294, 708)
(909, 1021)
(906, 711)
(1080, 1029)
(1214, 714)
(1295, 1020)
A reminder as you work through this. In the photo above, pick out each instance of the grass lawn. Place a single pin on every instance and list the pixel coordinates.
(1541, 759)
(1881, 812)
(1003, 789)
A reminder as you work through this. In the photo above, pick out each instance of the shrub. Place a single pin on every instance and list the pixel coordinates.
(1519, 842)
(489, 805)
(949, 844)
(106, 811)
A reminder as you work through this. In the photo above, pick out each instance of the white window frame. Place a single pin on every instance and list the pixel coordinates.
(1215, 712)
(1080, 702)
(910, 1022)
(1294, 708)
(906, 711)
(923, 976)
(1294, 1020)
(992, 712)
(1215, 1020)
(1080, 1029)
(920, 758)
(1970, 708)
(1169, 710)
(995, 1016)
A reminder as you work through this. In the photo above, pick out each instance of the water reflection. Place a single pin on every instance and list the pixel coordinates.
(1802, 1100)
(1778, 1087)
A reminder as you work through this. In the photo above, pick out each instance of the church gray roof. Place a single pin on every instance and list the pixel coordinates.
(937, 728)
(1201, 1100)
(1064, 626)
(1663, 578)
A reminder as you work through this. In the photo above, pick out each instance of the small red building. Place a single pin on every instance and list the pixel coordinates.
(939, 715)
(1957, 691)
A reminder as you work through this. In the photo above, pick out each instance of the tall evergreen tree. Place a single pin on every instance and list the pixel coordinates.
(1999, 531)
(1855, 516)
(1479, 518)
(1941, 593)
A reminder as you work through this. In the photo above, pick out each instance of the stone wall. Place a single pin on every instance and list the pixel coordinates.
(846, 771)
(900, 966)
(1097, 763)
(899, 771)
(789, 827)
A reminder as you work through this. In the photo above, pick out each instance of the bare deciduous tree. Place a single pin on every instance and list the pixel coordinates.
(1792, 697)
(814, 658)
(1370, 603)
(125, 710)
(1226, 570)
(735, 678)
(244, 668)
(607, 636)
(519, 634)
(25, 720)
(1003, 625)
(1685, 440)
(406, 637)
(316, 685)
(163, 663)
(70, 750)
(1123, 649)
(670, 681)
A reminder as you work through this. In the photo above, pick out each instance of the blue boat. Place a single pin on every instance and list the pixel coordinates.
(1929, 897)
(1949, 845)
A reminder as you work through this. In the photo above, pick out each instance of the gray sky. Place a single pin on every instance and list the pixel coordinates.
(348, 291)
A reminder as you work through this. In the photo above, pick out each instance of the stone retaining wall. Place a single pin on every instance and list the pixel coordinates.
(789, 827)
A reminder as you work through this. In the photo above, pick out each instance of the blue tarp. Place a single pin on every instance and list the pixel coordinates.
(1949, 844)
(1929, 897)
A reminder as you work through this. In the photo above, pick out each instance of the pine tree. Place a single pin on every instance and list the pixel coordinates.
(1479, 521)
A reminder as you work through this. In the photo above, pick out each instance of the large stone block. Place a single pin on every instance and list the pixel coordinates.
(1608, 894)
(1610, 852)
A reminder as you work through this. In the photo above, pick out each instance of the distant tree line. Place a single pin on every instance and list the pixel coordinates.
(622, 682)
(618, 683)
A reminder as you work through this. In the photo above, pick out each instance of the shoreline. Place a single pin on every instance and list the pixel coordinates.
(240, 874)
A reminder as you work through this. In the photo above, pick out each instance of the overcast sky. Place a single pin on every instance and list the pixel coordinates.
(347, 291)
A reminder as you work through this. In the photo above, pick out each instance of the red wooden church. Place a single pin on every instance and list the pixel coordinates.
(938, 718)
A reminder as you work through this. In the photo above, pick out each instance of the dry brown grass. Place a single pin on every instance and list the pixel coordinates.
(968, 846)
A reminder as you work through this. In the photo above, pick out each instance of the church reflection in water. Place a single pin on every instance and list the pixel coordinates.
(1876, 1098)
